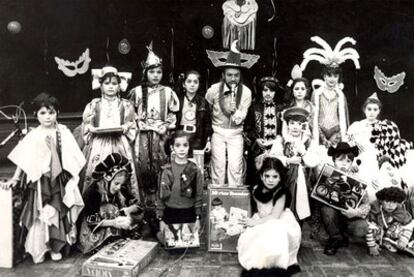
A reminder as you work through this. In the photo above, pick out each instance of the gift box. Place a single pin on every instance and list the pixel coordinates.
(228, 208)
(183, 235)
(11, 205)
(123, 258)
(337, 189)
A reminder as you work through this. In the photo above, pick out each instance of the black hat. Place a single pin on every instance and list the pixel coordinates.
(296, 113)
(111, 166)
(216, 202)
(391, 194)
(343, 148)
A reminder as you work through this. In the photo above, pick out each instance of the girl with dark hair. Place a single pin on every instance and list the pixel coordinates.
(272, 238)
(194, 114)
(48, 162)
(155, 106)
(108, 123)
(180, 196)
(298, 96)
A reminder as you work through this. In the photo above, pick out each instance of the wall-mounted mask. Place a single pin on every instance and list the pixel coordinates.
(71, 69)
(390, 84)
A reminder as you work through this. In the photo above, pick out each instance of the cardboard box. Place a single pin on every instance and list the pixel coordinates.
(181, 236)
(338, 189)
(227, 206)
(123, 258)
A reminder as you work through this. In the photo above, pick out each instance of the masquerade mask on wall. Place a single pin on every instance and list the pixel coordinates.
(80, 66)
(390, 84)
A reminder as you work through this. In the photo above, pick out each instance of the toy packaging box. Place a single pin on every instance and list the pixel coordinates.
(123, 258)
(183, 235)
(227, 207)
(338, 189)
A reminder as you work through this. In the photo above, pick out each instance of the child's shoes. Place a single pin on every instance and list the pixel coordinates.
(55, 256)
(390, 247)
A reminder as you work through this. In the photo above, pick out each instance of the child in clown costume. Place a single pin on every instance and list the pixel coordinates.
(108, 123)
(48, 161)
(155, 106)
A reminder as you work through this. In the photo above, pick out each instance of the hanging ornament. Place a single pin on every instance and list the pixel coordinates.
(71, 69)
(239, 23)
(124, 47)
(390, 84)
(14, 27)
(207, 32)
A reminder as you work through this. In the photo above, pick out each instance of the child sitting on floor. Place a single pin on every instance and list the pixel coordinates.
(388, 219)
(351, 220)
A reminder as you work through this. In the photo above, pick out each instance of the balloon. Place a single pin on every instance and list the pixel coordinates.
(14, 27)
(124, 46)
(207, 32)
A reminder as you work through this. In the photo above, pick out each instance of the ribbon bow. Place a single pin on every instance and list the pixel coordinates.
(99, 73)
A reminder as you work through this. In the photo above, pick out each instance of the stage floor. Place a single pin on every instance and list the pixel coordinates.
(351, 261)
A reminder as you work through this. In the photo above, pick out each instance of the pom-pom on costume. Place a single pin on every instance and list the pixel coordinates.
(106, 113)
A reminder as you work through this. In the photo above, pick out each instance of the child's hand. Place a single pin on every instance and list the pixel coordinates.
(197, 226)
(162, 130)
(123, 222)
(91, 129)
(374, 250)
(350, 212)
(9, 184)
(294, 160)
(401, 244)
(162, 226)
(142, 125)
(207, 149)
(260, 142)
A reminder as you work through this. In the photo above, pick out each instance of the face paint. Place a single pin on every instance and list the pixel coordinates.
(390, 84)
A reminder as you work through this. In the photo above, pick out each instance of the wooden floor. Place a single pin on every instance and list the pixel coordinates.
(352, 261)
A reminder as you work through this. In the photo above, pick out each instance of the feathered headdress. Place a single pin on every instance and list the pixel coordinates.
(97, 74)
(328, 56)
(233, 58)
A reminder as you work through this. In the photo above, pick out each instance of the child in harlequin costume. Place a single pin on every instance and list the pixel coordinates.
(108, 123)
(331, 109)
(340, 224)
(388, 218)
(297, 151)
(156, 106)
(360, 133)
(50, 161)
(180, 195)
(111, 210)
(272, 238)
(262, 123)
(229, 100)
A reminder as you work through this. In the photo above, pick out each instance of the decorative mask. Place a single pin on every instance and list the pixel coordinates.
(80, 66)
(240, 23)
(390, 84)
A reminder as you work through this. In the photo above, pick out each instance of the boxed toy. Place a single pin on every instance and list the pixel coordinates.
(227, 208)
(123, 258)
(181, 236)
(338, 189)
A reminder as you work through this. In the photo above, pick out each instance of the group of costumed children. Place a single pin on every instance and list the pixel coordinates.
(119, 173)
